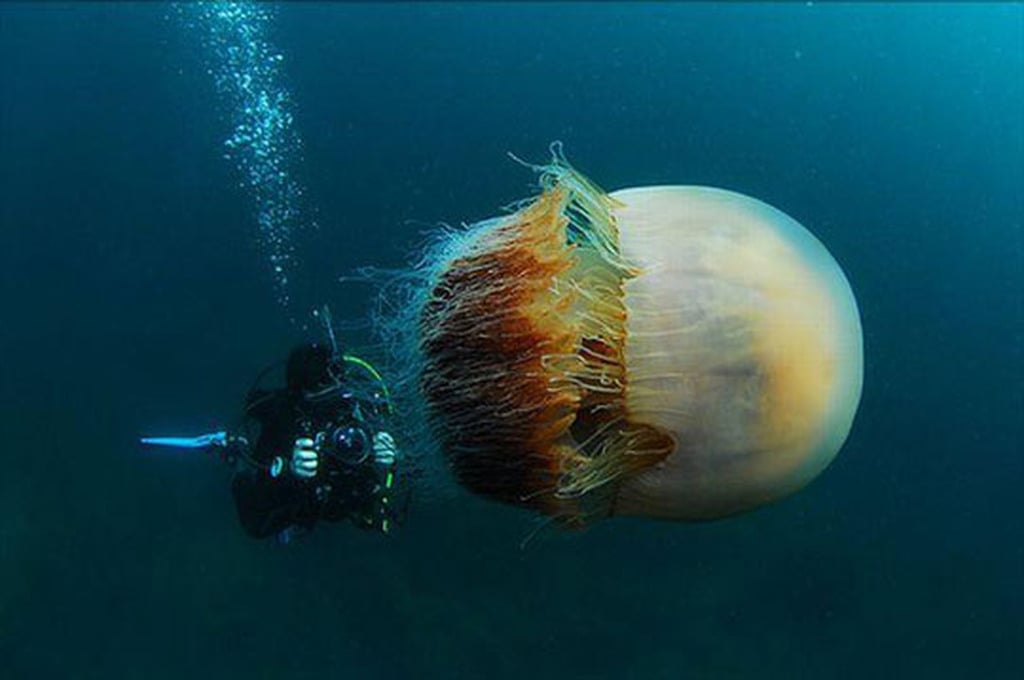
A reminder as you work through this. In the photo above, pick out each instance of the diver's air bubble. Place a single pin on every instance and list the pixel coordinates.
(263, 143)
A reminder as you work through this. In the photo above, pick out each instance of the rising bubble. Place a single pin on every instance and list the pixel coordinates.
(263, 144)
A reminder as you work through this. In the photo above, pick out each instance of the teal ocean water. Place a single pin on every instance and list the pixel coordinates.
(181, 185)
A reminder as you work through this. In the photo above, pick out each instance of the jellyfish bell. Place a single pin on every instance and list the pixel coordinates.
(744, 343)
(674, 352)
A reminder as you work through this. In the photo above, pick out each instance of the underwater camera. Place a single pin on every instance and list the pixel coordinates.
(348, 444)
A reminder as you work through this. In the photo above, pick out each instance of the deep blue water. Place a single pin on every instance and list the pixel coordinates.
(137, 297)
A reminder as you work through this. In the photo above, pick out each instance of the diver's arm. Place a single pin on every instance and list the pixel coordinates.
(266, 505)
(271, 500)
(384, 509)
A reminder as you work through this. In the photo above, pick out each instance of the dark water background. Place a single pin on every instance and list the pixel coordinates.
(135, 299)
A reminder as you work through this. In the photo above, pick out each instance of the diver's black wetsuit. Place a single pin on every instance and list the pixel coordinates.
(269, 505)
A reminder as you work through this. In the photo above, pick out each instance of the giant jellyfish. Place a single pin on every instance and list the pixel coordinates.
(676, 352)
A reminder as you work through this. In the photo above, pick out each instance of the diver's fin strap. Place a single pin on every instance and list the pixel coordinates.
(201, 442)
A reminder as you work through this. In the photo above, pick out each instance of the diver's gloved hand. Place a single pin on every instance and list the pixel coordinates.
(384, 449)
(304, 458)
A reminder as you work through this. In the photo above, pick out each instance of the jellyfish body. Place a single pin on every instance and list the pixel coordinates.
(674, 352)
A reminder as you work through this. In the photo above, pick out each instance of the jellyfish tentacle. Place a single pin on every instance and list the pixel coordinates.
(528, 321)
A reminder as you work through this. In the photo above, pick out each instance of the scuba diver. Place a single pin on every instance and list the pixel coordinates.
(315, 449)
